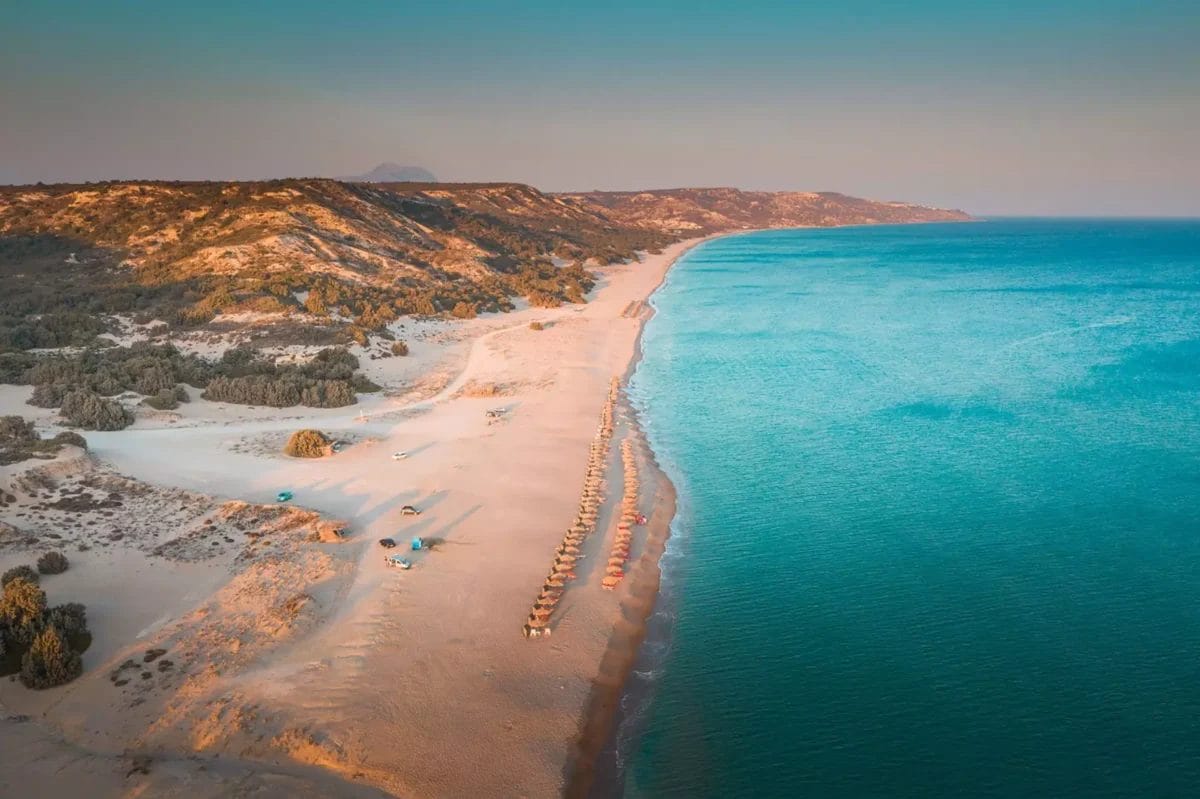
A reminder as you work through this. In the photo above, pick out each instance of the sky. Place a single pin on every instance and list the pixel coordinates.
(1016, 107)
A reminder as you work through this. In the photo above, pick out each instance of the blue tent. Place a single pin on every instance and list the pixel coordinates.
(417, 543)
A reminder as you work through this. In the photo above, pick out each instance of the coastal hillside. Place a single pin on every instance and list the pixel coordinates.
(341, 253)
(689, 212)
(340, 256)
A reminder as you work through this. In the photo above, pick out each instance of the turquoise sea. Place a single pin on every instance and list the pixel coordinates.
(939, 529)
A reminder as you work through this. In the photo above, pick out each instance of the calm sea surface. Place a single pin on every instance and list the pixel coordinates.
(940, 515)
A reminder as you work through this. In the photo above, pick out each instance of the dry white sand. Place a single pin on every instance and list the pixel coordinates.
(314, 669)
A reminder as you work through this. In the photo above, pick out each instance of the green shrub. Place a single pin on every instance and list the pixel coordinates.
(89, 410)
(70, 619)
(399, 348)
(19, 573)
(307, 444)
(364, 385)
(19, 441)
(50, 661)
(72, 438)
(16, 431)
(52, 563)
(164, 400)
(48, 395)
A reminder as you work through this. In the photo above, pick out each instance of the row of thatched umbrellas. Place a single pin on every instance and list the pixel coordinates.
(620, 549)
(568, 552)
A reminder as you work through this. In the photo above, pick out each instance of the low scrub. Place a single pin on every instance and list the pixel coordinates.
(241, 376)
(308, 444)
(50, 661)
(41, 645)
(167, 399)
(19, 441)
(52, 563)
(25, 573)
(87, 409)
(399, 348)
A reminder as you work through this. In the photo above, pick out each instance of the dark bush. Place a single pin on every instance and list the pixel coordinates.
(19, 573)
(72, 438)
(48, 395)
(70, 619)
(241, 376)
(364, 385)
(19, 441)
(89, 410)
(254, 390)
(15, 431)
(52, 563)
(323, 382)
(164, 400)
(15, 366)
(307, 444)
(144, 368)
(399, 348)
(50, 661)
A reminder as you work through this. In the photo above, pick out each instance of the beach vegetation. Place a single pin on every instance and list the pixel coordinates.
(22, 608)
(167, 399)
(242, 376)
(87, 409)
(70, 438)
(50, 661)
(52, 563)
(308, 444)
(22, 572)
(19, 441)
(41, 645)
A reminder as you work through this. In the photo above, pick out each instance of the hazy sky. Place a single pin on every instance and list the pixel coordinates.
(1021, 106)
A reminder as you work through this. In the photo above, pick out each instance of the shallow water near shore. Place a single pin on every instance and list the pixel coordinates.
(939, 520)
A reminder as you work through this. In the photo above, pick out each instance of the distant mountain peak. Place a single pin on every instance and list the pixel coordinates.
(387, 172)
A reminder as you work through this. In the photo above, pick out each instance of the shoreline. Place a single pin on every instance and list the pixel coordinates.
(602, 713)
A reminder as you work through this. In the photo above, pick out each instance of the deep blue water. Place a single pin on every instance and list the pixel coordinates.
(939, 531)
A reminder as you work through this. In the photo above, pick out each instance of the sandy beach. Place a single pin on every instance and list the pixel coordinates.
(308, 667)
